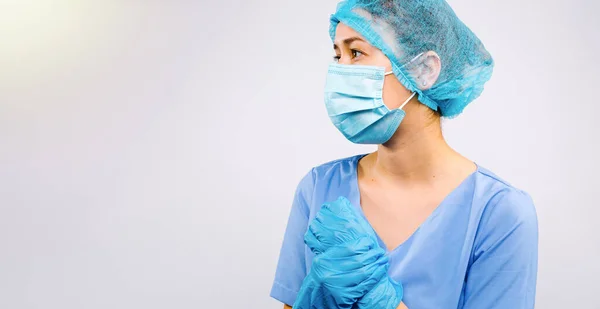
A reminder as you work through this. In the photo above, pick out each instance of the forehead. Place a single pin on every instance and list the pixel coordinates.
(384, 33)
(343, 32)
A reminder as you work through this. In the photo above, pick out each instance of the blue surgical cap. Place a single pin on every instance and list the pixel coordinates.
(404, 29)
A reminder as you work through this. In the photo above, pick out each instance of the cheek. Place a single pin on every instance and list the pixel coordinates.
(394, 94)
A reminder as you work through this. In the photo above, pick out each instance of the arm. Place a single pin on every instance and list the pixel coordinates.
(504, 268)
(291, 268)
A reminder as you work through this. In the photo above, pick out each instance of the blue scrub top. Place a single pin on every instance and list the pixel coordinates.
(478, 249)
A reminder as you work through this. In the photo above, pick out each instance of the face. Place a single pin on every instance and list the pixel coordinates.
(352, 49)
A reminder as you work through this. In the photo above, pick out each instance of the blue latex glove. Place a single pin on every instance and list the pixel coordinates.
(335, 224)
(342, 274)
(351, 268)
(387, 294)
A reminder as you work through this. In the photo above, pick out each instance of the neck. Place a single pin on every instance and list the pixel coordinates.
(416, 153)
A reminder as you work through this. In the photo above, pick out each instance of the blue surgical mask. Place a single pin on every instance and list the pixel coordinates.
(353, 97)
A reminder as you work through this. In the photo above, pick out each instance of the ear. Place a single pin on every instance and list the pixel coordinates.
(428, 70)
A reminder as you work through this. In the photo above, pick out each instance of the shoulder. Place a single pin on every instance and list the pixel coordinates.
(332, 175)
(506, 210)
(347, 164)
(503, 198)
(330, 169)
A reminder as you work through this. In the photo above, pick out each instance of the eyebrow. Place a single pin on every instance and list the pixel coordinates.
(349, 41)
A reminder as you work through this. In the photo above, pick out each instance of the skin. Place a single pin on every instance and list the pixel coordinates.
(409, 176)
(403, 182)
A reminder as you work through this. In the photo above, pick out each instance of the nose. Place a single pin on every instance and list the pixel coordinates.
(345, 59)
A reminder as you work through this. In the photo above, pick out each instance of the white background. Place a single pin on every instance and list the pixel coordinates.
(149, 150)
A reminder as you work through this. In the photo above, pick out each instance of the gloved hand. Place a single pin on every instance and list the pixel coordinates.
(349, 269)
(335, 224)
(387, 294)
(342, 274)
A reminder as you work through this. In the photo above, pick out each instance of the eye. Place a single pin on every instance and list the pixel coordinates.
(336, 58)
(356, 53)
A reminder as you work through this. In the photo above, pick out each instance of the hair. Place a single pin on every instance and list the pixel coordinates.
(434, 114)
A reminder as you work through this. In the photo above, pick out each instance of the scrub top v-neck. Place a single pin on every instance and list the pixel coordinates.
(355, 198)
(477, 249)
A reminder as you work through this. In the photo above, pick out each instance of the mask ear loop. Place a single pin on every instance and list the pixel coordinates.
(414, 93)
(413, 59)
(407, 100)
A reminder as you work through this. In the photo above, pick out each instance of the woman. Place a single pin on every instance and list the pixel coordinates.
(451, 233)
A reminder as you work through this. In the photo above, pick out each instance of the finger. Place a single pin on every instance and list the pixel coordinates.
(316, 246)
(341, 213)
(333, 233)
(329, 217)
(353, 254)
(340, 207)
(341, 271)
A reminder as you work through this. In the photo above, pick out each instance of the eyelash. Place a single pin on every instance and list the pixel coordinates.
(353, 51)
